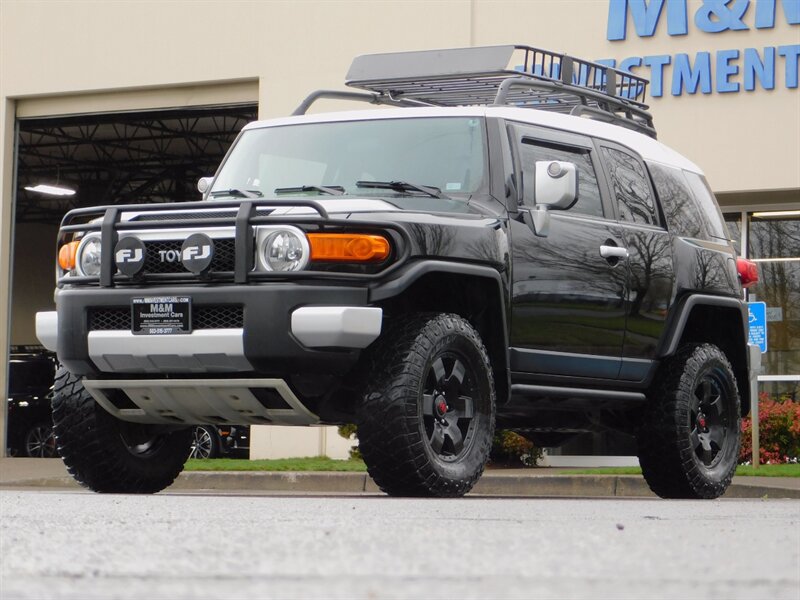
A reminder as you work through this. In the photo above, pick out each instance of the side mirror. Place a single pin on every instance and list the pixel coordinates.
(556, 186)
(204, 184)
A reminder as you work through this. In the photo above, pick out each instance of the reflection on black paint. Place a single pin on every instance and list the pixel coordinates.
(681, 210)
(567, 298)
(633, 194)
(650, 290)
(432, 240)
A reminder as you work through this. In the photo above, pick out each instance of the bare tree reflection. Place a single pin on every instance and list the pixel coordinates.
(432, 240)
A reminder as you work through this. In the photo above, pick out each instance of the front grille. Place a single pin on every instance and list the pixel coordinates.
(115, 318)
(109, 319)
(218, 317)
(223, 260)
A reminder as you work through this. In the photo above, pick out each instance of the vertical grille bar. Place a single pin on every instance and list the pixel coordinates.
(244, 242)
(108, 240)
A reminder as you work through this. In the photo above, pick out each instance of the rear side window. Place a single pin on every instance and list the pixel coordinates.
(631, 189)
(708, 205)
(681, 209)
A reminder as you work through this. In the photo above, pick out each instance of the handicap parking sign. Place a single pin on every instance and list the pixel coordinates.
(757, 317)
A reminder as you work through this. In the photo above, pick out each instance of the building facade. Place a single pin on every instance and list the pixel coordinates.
(723, 92)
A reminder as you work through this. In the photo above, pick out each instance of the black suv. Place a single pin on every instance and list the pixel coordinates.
(30, 388)
(508, 247)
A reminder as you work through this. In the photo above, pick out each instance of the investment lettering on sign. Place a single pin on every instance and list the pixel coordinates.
(722, 71)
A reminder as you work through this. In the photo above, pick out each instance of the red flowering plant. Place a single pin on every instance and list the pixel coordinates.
(778, 431)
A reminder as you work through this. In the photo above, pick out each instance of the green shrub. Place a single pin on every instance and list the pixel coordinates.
(508, 448)
(513, 450)
(778, 431)
(349, 431)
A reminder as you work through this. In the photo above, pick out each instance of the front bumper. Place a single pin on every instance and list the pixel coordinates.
(288, 328)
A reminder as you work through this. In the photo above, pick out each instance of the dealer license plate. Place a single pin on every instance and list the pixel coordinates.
(167, 315)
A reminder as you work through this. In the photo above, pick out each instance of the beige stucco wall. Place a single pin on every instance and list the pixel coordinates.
(52, 50)
(290, 442)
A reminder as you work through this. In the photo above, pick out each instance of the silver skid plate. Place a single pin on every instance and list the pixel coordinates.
(200, 401)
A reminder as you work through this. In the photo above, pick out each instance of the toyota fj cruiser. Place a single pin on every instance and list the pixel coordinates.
(508, 246)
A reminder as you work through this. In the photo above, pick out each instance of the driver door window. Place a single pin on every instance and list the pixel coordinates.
(589, 201)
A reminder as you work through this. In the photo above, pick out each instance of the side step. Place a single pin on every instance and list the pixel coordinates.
(200, 401)
(569, 397)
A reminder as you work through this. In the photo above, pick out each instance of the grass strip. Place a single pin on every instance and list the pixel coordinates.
(323, 463)
(311, 463)
(787, 470)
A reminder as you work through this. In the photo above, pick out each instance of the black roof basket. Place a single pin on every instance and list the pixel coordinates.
(512, 75)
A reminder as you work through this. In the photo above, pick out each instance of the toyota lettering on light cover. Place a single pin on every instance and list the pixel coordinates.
(496, 249)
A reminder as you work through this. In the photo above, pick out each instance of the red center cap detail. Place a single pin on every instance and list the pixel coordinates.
(702, 421)
(441, 407)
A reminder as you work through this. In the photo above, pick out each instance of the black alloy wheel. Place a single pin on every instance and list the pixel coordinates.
(708, 419)
(448, 406)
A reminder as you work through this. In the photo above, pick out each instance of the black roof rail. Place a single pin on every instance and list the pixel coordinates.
(513, 75)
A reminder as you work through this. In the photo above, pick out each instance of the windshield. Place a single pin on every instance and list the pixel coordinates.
(384, 157)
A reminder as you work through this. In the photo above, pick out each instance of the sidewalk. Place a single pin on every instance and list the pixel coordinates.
(18, 473)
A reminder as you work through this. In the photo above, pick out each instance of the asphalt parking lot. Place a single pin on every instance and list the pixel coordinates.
(17, 473)
(194, 544)
(521, 534)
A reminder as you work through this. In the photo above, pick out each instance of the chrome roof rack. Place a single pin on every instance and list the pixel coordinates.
(512, 75)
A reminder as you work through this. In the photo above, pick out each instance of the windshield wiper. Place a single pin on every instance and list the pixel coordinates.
(237, 193)
(401, 186)
(333, 190)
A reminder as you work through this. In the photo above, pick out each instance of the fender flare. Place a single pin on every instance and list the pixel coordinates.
(414, 271)
(677, 324)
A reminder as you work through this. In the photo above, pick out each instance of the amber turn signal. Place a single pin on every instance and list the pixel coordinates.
(66, 255)
(348, 247)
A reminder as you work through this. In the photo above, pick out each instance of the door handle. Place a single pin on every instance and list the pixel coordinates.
(613, 252)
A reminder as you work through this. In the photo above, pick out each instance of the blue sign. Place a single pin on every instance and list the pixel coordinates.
(723, 71)
(757, 317)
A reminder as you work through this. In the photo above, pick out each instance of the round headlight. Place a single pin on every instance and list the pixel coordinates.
(89, 257)
(285, 250)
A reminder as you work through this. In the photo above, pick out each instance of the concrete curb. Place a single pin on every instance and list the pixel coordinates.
(491, 484)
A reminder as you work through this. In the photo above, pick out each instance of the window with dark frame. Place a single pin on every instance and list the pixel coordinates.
(589, 200)
(629, 183)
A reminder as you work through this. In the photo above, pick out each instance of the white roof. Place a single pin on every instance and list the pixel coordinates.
(649, 149)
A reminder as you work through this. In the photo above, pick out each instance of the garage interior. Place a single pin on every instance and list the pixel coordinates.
(96, 159)
(111, 158)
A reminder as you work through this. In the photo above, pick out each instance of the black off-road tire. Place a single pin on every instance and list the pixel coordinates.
(689, 437)
(108, 455)
(427, 417)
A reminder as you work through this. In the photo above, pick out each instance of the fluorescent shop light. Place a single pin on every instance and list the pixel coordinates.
(51, 190)
(775, 214)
